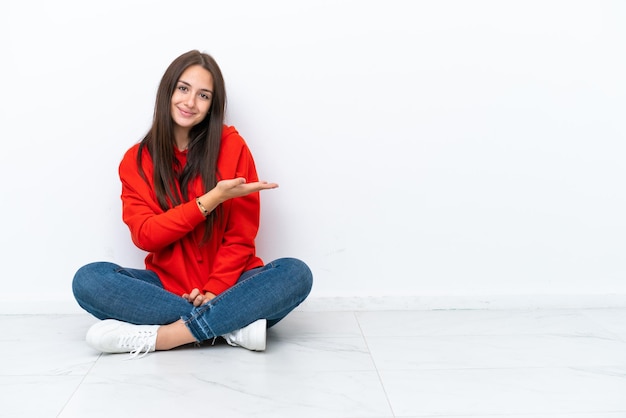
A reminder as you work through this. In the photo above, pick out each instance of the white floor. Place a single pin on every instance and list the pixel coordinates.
(530, 364)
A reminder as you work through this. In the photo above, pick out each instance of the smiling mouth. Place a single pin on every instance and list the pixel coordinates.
(185, 113)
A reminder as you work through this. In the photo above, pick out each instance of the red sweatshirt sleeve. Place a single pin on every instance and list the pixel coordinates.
(151, 229)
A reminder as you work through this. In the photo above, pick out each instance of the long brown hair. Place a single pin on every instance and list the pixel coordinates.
(204, 138)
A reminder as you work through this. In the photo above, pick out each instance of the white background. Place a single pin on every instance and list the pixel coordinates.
(429, 153)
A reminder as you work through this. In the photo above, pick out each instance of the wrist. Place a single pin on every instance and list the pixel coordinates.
(208, 201)
(205, 211)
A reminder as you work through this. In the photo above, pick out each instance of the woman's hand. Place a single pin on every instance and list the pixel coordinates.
(196, 297)
(228, 189)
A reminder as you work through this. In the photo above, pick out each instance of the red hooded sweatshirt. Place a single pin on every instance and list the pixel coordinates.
(174, 238)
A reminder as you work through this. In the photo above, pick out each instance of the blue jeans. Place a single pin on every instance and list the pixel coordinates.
(109, 291)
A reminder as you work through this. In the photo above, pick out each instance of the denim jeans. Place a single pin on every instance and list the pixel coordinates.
(109, 291)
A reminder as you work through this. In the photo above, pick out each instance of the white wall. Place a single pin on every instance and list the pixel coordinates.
(430, 153)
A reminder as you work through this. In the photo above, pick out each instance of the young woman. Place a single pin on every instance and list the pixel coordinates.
(190, 197)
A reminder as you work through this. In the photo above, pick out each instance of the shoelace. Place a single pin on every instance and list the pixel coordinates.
(140, 344)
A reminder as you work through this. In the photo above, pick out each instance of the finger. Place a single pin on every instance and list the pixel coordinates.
(267, 185)
(234, 182)
(257, 186)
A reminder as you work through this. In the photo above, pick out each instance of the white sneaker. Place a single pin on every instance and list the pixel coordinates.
(112, 336)
(251, 337)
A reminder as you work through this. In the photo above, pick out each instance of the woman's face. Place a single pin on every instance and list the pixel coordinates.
(192, 97)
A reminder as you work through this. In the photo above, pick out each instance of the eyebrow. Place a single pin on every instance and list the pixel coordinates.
(187, 84)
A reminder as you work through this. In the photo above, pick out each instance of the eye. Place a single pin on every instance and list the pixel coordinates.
(182, 88)
(205, 96)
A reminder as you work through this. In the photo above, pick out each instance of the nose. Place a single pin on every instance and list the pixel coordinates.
(190, 100)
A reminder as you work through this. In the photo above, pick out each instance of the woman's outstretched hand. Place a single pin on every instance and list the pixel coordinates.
(229, 189)
(238, 187)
